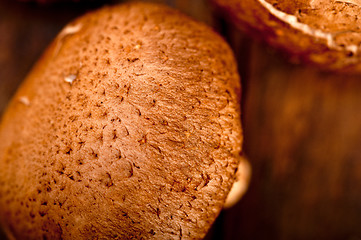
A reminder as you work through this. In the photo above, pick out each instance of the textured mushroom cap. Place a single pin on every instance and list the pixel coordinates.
(325, 33)
(128, 127)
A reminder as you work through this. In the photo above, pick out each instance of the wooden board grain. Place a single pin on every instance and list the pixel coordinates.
(303, 138)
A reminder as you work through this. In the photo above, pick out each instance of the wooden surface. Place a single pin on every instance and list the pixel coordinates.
(302, 127)
(303, 138)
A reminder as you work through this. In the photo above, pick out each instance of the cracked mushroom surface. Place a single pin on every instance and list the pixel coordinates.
(128, 127)
(325, 33)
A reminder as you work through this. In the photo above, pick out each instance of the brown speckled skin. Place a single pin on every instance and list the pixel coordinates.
(336, 17)
(143, 144)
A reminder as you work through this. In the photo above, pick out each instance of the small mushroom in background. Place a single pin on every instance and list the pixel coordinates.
(321, 32)
(130, 129)
(301, 117)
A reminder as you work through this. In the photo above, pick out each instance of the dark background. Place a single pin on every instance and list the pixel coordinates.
(302, 126)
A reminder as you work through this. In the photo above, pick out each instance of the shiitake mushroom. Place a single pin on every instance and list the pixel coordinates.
(323, 33)
(128, 127)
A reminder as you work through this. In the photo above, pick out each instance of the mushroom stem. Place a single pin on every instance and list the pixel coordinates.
(240, 185)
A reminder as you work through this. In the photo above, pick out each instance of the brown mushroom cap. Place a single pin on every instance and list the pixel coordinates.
(325, 33)
(127, 128)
